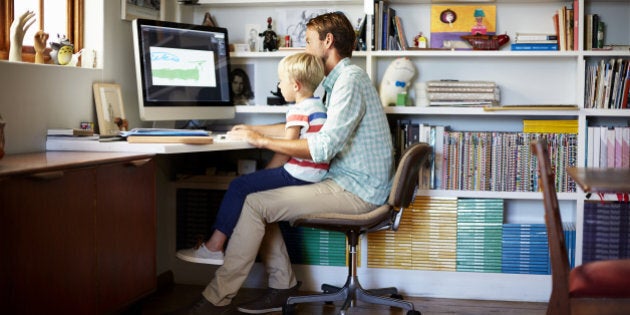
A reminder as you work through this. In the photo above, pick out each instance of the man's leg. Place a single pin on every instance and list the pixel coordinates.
(283, 204)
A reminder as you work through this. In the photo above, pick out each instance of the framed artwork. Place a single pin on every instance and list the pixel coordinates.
(242, 83)
(140, 9)
(292, 22)
(251, 37)
(109, 108)
(450, 22)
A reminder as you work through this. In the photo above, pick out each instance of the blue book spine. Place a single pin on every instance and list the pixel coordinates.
(548, 46)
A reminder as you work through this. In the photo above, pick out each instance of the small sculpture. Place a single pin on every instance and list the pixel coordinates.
(277, 98)
(39, 44)
(19, 27)
(396, 80)
(270, 41)
(62, 50)
(486, 42)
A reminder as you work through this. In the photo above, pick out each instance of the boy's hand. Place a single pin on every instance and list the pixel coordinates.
(252, 137)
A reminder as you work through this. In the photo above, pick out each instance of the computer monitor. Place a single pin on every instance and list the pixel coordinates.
(182, 71)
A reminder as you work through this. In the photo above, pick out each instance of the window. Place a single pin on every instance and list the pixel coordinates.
(63, 17)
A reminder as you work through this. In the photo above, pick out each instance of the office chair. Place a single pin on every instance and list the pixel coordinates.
(384, 217)
(599, 287)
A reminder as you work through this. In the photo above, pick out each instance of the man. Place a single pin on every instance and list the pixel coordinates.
(355, 139)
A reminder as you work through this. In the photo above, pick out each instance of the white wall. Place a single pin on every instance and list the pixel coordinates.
(34, 97)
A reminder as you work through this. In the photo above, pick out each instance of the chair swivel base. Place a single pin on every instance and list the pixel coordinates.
(349, 294)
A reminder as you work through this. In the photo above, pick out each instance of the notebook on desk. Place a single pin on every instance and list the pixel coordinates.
(162, 135)
(171, 139)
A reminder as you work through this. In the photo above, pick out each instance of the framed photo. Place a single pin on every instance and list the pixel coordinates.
(242, 83)
(252, 39)
(141, 9)
(109, 108)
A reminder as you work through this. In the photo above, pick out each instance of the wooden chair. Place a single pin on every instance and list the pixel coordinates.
(594, 288)
(384, 217)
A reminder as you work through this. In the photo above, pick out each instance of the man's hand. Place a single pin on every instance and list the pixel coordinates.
(18, 29)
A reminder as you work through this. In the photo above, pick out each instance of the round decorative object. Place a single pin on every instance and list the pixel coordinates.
(448, 16)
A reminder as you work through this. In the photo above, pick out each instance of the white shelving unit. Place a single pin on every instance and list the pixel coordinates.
(525, 78)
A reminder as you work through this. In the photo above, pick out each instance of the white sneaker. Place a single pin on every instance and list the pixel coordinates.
(201, 255)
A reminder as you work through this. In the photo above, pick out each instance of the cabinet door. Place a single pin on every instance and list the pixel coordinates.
(125, 233)
(47, 244)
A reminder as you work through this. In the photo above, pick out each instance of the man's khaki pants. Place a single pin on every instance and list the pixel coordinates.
(257, 229)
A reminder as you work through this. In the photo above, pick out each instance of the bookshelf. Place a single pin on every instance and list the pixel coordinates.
(525, 78)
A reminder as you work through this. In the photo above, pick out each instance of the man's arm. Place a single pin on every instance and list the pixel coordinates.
(279, 159)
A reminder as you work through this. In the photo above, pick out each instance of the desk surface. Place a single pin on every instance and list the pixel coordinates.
(14, 164)
(601, 180)
(53, 144)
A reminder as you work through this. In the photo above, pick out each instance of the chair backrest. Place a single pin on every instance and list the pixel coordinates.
(559, 258)
(406, 178)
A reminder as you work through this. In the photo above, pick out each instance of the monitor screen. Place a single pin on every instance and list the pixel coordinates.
(182, 71)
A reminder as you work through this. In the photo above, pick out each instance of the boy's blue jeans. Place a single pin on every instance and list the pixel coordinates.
(240, 187)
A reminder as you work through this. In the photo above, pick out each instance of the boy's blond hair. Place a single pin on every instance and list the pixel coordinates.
(304, 68)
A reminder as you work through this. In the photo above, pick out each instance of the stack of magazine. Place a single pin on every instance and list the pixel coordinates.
(463, 93)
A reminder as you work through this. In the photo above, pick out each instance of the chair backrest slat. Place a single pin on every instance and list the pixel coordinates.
(560, 267)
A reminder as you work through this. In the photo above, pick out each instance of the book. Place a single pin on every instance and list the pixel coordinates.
(401, 33)
(535, 36)
(594, 27)
(535, 41)
(458, 83)
(471, 96)
(166, 132)
(534, 46)
(439, 89)
(588, 28)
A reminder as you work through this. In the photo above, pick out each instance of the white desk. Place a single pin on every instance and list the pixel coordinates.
(56, 144)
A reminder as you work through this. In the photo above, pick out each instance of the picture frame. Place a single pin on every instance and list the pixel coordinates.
(247, 74)
(109, 107)
(252, 37)
(141, 9)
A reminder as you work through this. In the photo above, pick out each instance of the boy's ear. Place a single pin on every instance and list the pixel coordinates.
(297, 86)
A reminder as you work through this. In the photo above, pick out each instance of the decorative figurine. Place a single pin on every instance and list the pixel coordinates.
(270, 41)
(18, 28)
(39, 44)
(277, 98)
(479, 28)
(420, 41)
(396, 80)
(62, 50)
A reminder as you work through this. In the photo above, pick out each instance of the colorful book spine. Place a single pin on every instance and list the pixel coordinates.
(529, 46)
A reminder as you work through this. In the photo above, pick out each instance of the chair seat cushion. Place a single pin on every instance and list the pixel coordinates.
(607, 278)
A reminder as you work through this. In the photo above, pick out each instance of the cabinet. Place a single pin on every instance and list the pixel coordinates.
(78, 231)
(525, 78)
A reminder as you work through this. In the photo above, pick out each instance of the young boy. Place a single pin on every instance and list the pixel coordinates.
(299, 75)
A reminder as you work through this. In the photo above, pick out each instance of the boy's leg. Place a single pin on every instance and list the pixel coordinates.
(283, 204)
(240, 187)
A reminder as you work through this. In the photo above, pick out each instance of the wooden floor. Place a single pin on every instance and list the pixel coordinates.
(176, 296)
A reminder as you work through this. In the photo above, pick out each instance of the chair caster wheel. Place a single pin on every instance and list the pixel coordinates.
(288, 309)
(397, 296)
(413, 312)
